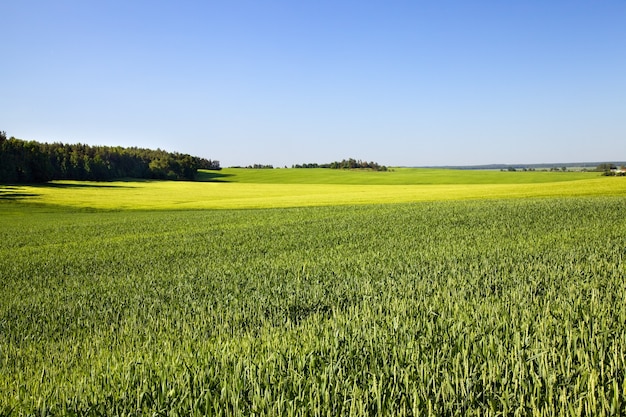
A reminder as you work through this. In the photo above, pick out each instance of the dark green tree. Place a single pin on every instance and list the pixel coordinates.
(22, 161)
(605, 167)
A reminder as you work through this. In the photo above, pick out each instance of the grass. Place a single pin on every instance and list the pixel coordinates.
(396, 176)
(504, 307)
(499, 298)
(235, 189)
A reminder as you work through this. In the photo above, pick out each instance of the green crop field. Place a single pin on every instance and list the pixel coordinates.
(248, 188)
(395, 176)
(412, 292)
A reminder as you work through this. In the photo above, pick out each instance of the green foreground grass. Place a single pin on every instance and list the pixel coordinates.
(469, 307)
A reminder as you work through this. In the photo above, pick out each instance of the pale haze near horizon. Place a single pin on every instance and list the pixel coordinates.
(410, 83)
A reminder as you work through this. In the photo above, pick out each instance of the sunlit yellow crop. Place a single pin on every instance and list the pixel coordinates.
(226, 195)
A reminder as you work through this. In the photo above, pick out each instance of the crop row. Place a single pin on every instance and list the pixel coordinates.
(451, 308)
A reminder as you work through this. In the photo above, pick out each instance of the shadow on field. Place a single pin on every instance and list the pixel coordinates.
(13, 194)
(205, 176)
(82, 185)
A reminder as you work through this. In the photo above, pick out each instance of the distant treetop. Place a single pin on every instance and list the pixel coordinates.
(346, 164)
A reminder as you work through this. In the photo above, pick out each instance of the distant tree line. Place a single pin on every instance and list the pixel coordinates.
(345, 164)
(610, 169)
(607, 166)
(255, 166)
(29, 162)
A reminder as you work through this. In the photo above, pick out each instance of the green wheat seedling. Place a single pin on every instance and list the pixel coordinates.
(493, 307)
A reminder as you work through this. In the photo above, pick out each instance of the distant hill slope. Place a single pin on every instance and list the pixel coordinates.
(395, 176)
(588, 165)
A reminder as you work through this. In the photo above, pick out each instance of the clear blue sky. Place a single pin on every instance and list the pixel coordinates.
(286, 82)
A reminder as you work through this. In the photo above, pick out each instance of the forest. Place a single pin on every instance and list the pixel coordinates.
(33, 162)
